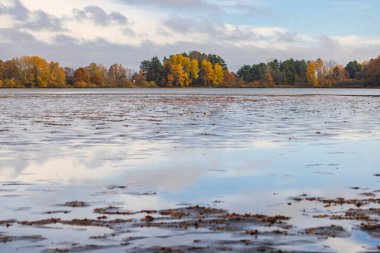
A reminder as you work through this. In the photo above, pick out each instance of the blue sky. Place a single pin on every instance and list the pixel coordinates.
(322, 17)
(241, 31)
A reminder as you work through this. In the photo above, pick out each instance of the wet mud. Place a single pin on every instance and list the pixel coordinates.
(179, 171)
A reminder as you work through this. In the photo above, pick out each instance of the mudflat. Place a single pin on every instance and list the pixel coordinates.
(190, 170)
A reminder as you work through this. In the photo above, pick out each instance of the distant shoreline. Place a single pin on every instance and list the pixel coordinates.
(194, 69)
(187, 88)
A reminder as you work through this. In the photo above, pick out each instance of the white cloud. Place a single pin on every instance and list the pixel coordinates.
(6, 21)
(356, 41)
(140, 32)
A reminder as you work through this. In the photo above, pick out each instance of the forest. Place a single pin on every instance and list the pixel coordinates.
(194, 69)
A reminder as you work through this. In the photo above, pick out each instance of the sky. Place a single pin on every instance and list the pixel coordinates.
(76, 33)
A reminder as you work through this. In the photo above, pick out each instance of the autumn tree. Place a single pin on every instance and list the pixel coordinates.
(138, 78)
(10, 70)
(1, 70)
(174, 74)
(207, 73)
(97, 74)
(56, 75)
(311, 74)
(69, 75)
(40, 72)
(81, 78)
(372, 72)
(33, 71)
(230, 78)
(321, 72)
(268, 79)
(117, 72)
(212, 58)
(180, 70)
(184, 69)
(117, 75)
(11, 73)
(337, 74)
(194, 70)
(218, 76)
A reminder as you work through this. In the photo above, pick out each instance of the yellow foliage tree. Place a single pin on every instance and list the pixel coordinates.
(194, 69)
(207, 72)
(181, 70)
(175, 75)
(311, 74)
(218, 76)
(40, 71)
(57, 75)
(321, 72)
(34, 71)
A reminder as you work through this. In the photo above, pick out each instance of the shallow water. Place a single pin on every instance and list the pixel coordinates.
(246, 151)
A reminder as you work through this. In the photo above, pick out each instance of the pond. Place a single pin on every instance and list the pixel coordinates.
(163, 169)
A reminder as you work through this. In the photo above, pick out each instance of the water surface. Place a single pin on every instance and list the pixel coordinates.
(243, 150)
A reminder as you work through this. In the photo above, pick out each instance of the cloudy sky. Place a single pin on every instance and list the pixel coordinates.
(241, 31)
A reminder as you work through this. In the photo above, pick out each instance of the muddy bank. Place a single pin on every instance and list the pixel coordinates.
(245, 232)
(210, 229)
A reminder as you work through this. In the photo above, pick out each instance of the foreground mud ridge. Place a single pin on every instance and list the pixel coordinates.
(199, 228)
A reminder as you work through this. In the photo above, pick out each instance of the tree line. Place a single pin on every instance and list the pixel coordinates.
(301, 73)
(36, 72)
(194, 69)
